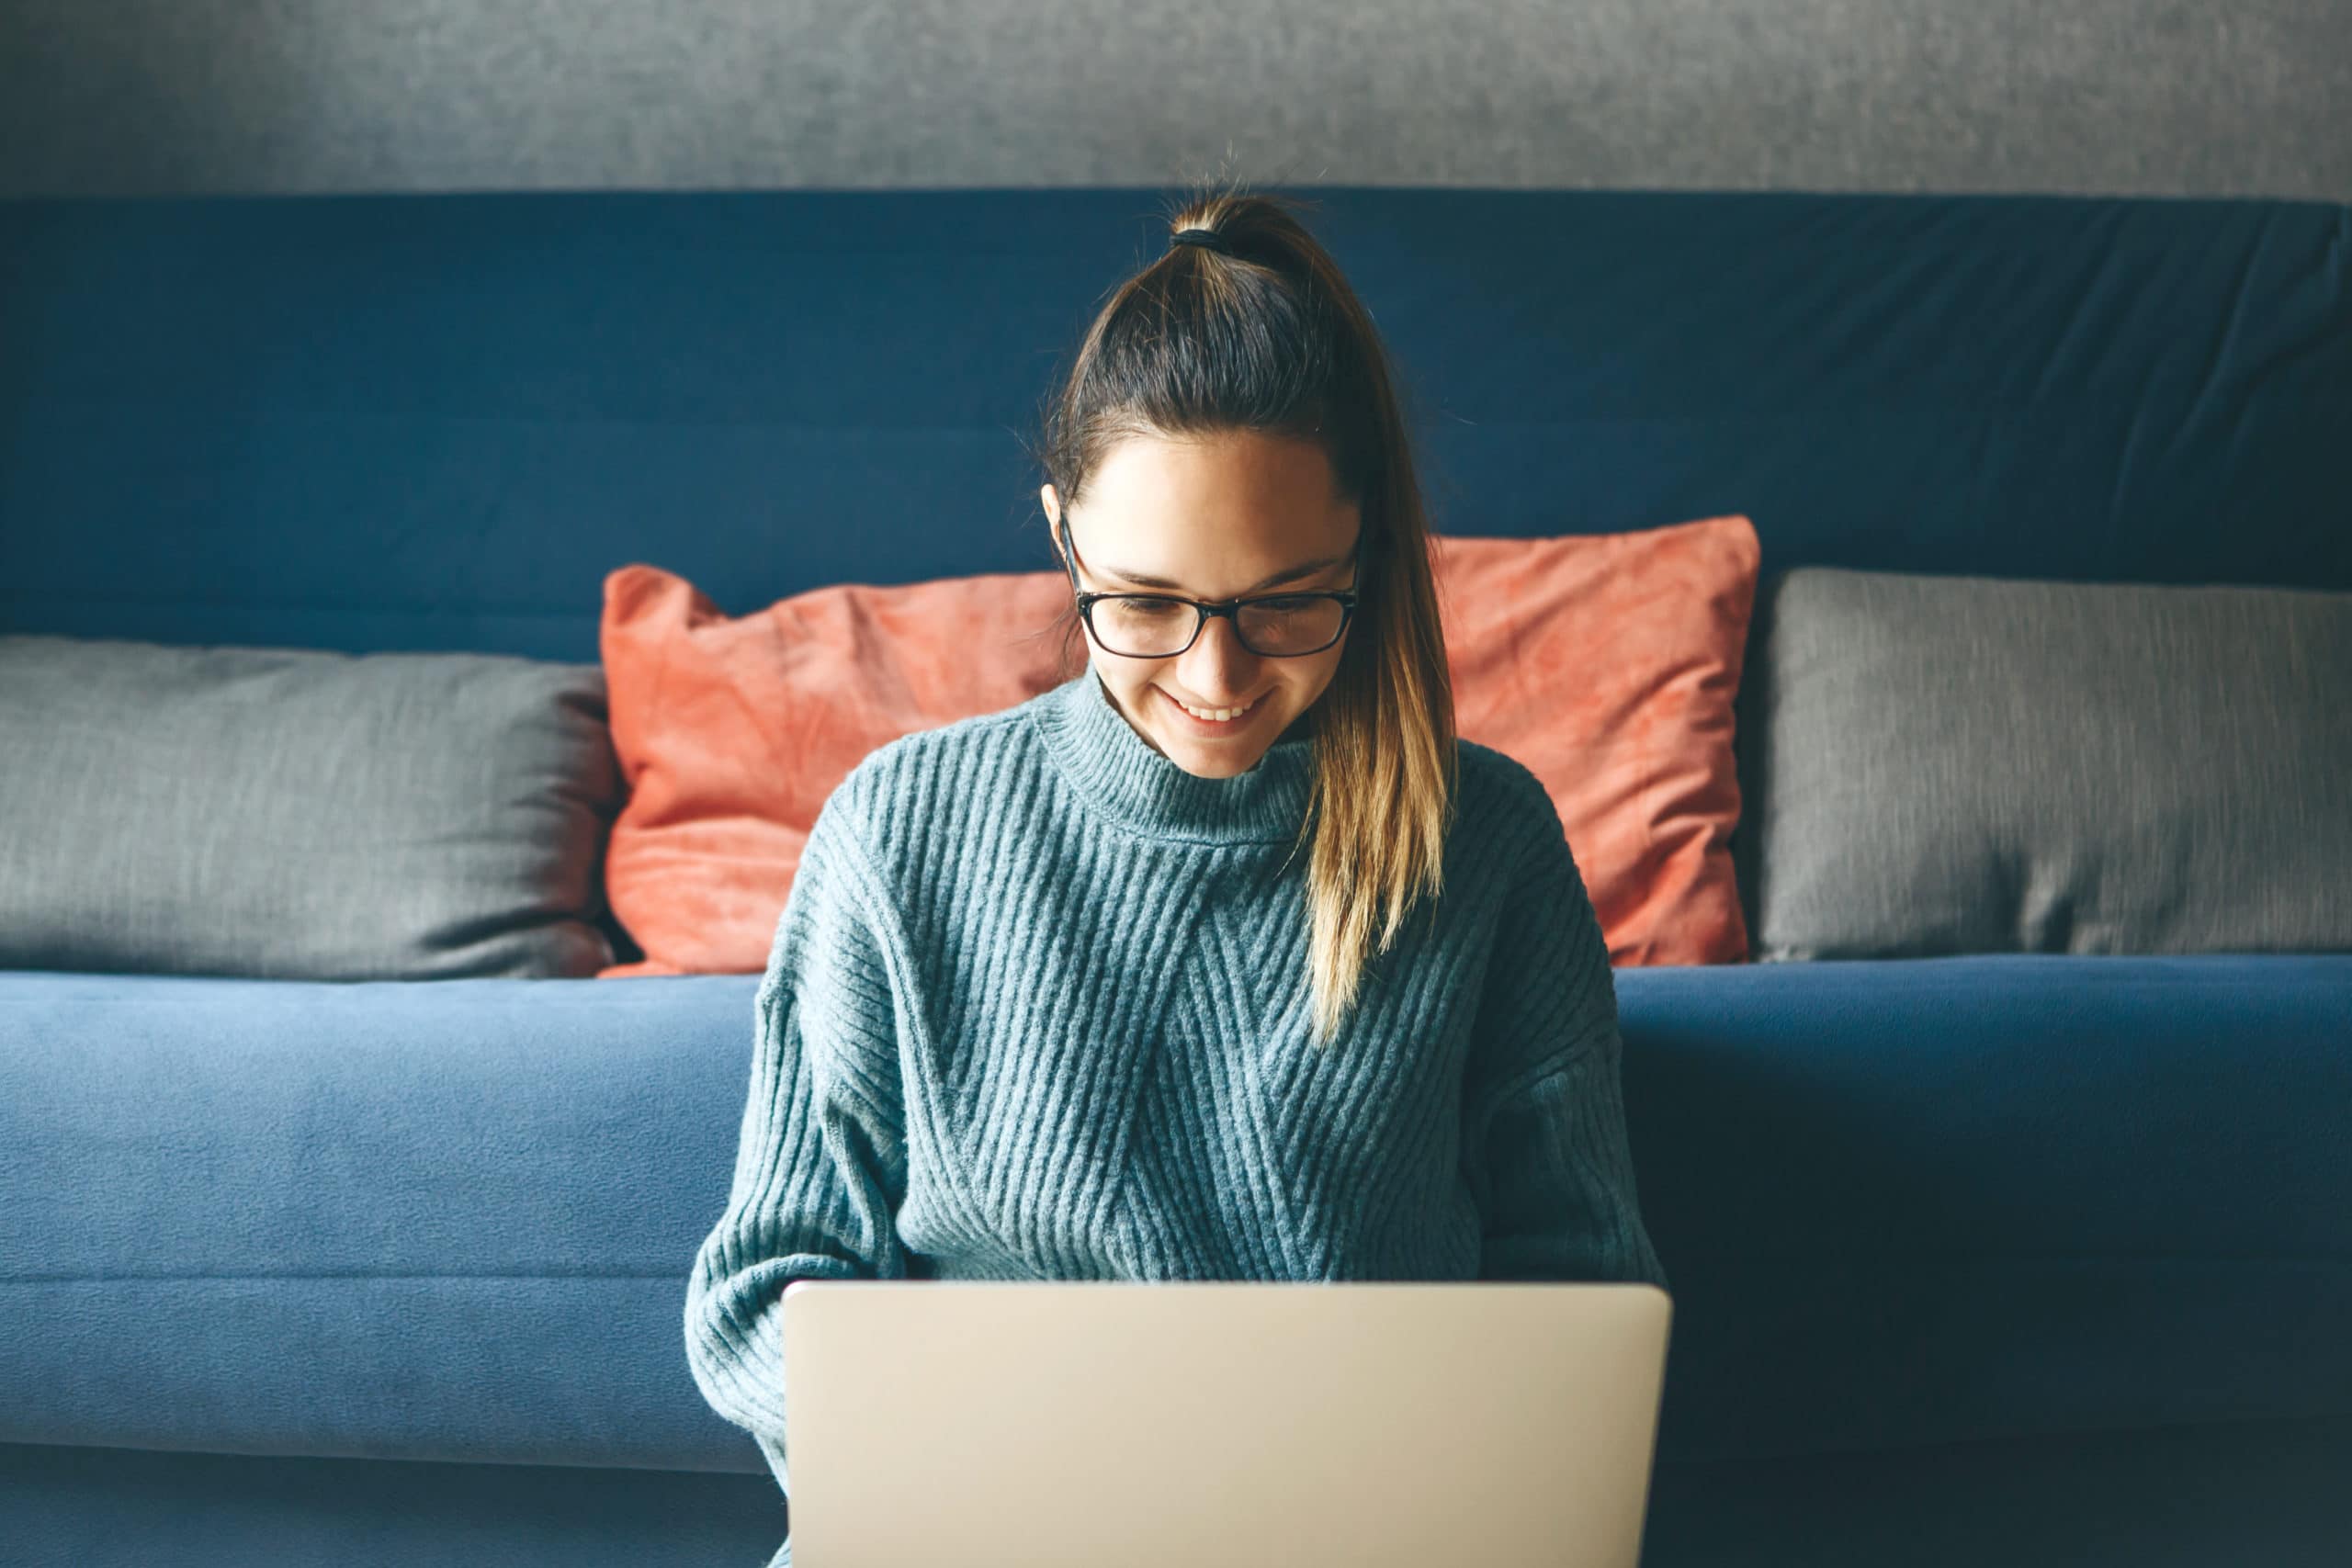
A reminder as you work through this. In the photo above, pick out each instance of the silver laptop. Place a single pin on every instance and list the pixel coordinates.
(1055, 1424)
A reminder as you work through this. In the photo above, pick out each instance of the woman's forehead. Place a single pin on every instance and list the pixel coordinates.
(1209, 558)
(1224, 516)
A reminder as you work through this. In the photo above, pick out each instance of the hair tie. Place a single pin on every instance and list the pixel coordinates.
(1208, 237)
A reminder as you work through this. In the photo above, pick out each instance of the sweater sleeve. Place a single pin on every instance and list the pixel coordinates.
(1544, 1144)
(821, 1167)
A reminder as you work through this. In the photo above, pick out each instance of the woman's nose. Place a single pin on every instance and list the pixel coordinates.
(1217, 665)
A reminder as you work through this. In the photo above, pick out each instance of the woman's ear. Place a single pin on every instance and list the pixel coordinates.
(1052, 503)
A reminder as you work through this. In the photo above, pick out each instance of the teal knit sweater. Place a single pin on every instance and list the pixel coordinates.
(1037, 1009)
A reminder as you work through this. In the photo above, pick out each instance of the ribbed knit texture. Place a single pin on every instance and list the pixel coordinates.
(1037, 1008)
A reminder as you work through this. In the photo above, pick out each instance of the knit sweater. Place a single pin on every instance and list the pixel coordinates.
(1037, 1008)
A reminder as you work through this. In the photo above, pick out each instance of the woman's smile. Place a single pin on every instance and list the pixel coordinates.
(1212, 726)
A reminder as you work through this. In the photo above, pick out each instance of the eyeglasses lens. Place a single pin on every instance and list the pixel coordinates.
(1158, 629)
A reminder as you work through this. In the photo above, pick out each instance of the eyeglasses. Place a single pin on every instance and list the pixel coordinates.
(1161, 626)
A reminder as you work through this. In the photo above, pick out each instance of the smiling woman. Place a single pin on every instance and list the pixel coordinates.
(1210, 679)
(1053, 995)
(1229, 425)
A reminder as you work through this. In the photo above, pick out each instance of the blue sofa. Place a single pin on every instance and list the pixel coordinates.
(1995, 1258)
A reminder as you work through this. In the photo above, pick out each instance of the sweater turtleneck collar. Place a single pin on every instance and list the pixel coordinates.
(1119, 773)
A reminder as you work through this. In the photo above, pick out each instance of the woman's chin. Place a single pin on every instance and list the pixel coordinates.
(1212, 762)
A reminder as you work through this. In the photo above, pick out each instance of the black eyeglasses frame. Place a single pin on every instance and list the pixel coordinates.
(1205, 608)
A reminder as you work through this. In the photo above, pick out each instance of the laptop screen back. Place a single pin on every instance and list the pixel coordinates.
(1152, 1425)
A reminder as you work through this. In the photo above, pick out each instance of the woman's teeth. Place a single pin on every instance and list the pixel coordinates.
(1215, 715)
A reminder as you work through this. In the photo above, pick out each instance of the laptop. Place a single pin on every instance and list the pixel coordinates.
(1154, 1425)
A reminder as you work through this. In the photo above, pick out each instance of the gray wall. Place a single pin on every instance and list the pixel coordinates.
(2156, 97)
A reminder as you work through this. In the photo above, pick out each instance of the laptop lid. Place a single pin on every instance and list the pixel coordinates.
(1153, 1425)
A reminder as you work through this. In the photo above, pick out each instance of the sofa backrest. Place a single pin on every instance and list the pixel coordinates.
(434, 422)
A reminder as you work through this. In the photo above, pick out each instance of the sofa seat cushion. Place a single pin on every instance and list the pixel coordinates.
(422, 1220)
(1928, 1201)
(1902, 1202)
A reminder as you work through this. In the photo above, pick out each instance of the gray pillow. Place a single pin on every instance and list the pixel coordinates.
(1952, 764)
(290, 814)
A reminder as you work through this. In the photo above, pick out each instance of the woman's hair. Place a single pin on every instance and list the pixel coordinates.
(1269, 338)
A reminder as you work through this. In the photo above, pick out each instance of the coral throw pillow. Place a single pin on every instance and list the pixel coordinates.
(731, 732)
(1606, 663)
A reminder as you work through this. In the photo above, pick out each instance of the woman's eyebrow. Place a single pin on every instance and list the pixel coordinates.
(1144, 580)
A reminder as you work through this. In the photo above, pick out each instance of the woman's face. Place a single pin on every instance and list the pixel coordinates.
(1213, 517)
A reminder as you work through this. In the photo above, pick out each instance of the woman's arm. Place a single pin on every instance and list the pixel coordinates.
(820, 1167)
(1544, 1144)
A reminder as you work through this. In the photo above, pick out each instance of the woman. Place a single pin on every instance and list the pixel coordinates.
(1054, 996)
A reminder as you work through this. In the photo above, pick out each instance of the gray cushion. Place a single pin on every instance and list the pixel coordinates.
(1952, 764)
(300, 815)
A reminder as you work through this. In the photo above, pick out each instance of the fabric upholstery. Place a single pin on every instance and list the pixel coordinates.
(1953, 764)
(731, 731)
(2252, 1492)
(301, 815)
(1608, 665)
(498, 398)
(1902, 1202)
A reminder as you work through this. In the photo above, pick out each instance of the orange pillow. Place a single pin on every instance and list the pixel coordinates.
(732, 733)
(1605, 663)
